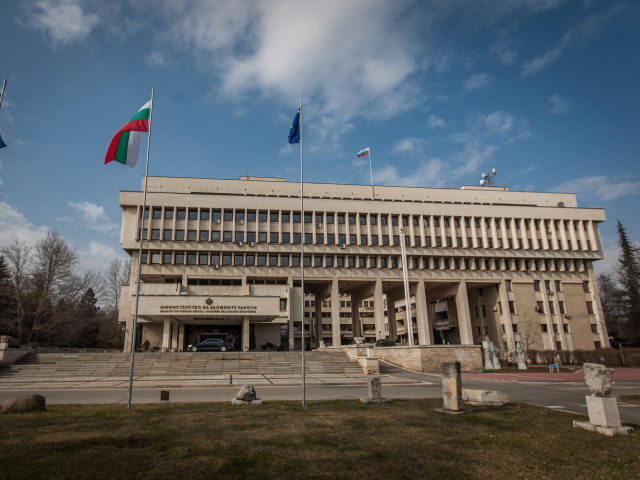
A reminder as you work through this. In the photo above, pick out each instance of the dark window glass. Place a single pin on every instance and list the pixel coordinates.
(215, 259)
(262, 237)
(308, 238)
(295, 261)
(273, 216)
(274, 237)
(215, 236)
(296, 238)
(167, 258)
(239, 236)
(168, 214)
(143, 258)
(193, 214)
(227, 236)
(307, 217)
(191, 259)
(228, 215)
(216, 215)
(262, 260)
(192, 235)
(167, 235)
(204, 214)
(329, 261)
(251, 236)
(319, 238)
(341, 218)
(317, 261)
(155, 258)
(352, 219)
(239, 215)
(157, 213)
(251, 260)
(179, 258)
(181, 213)
(251, 216)
(284, 260)
(296, 217)
(204, 235)
(226, 259)
(155, 234)
(203, 259)
(237, 259)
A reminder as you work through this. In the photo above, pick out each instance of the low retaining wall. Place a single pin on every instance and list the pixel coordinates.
(423, 358)
(8, 357)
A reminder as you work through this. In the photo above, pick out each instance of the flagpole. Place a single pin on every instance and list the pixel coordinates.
(373, 193)
(304, 400)
(4, 84)
(144, 206)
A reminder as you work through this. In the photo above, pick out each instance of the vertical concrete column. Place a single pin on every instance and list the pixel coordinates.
(166, 335)
(378, 309)
(555, 243)
(514, 234)
(175, 326)
(335, 313)
(474, 233)
(494, 232)
(572, 235)
(392, 321)
(464, 316)
(506, 316)
(523, 232)
(432, 230)
(356, 325)
(451, 387)
(563, 236)
(534, 234)
(503, 230)
(318, 323)
(245, 334)
(544, 235)
(483, 232)
(180, 336)
(425, 333)
(583, 237)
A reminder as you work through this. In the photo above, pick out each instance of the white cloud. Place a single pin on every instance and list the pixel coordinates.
(435, 122)
(95, 216)
(559, 105)
(63, 20)
(504, 52)
(407, 146)
(599, 187)
(477, 82)
(98, 256)
(15, 226)
(430, 173)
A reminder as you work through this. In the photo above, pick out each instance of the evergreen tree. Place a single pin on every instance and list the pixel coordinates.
(628, 276)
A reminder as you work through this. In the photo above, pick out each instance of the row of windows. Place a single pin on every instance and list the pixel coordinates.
(361, 261)
(498, 232)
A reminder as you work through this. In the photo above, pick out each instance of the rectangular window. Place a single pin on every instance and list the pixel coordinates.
(192, 235)
(372, 262)
(286, 238)
(283, 304)
(251, 216)
(319, 238)
(262, 216)
(204, 235)
(562, 310)
(168, 214)
(374, 239)
(307, 260)
(191, 259)
(285, 217)
(296, 238)
(341, 218)
(284, 260)
(317, 260)
(216, 216)
(363, 239)
(204, 214)
(262, 260)
(544, 327)
(540, 307)
(507, 284)
(383, 262)
(240, 215)
(394, 220)
(262, 237)
(239, 236)
(167, 258)
(351, 262)
(585, 286)
(552, 309)
(227, 236)
(157, 212)
(237, 260)
(352, 239)
(340, 262)
(251, 260)
(512, 306)
(155, 258)
(328, 261)
(193, 214)
(590, 308)
(536, 285)
(273, 260)
(203, 259)
(273, 237)
(558, 345)
(155, 234)
(295, 261)
(143, 258)
(594, 328)
(362, 263)
(181, 214)
(296, 217)
(167, 235)
(179, 258)
(215, 236)
(273, 216)
(308, 238)
(565, 327)
(215, 259)
(226, 259)
(515, 328)
(558, 286)
(307, 217)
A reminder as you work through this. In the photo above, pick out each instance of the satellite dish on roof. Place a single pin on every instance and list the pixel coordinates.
(493, 171)
(482, 182)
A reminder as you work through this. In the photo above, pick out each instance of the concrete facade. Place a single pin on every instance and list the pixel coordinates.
(222, 258)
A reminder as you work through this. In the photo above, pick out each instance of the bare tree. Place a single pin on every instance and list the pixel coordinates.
(114, 278)
(18, 256)
(53, 268)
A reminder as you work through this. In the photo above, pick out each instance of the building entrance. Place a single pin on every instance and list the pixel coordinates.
(199, 333)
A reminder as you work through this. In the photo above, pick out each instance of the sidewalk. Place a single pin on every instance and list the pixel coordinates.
(539, 375)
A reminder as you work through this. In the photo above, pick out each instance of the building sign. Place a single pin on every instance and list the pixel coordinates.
(210, 306)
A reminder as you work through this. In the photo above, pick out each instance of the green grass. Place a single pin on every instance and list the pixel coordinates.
(402, 439)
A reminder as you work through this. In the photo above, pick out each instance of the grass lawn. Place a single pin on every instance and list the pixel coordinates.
(402, 439)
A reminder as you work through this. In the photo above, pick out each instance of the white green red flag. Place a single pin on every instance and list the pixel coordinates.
(363, 153)
(125, 145)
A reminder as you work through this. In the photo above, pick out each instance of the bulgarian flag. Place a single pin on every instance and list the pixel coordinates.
(363, 153)
(125, 145)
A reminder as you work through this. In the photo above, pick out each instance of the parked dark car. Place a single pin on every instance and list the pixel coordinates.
(211, 344)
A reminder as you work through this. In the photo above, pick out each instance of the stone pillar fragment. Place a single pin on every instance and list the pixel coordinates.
(451, 387)
(375, 392)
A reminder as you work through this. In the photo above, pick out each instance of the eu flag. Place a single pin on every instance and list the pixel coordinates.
(294, 133)
(2, 144)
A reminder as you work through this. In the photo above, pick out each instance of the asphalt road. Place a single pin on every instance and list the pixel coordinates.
(397, 383)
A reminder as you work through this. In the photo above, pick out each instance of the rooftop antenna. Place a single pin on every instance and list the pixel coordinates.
(488, 179)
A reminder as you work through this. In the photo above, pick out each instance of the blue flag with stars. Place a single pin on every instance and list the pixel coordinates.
(2, 144)
(294, 133)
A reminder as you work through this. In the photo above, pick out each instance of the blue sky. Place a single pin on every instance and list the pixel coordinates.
(546, 92)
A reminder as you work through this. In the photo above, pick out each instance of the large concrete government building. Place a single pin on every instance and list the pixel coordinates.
(221, 258)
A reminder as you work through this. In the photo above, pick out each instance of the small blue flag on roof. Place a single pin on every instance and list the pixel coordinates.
(2, 144)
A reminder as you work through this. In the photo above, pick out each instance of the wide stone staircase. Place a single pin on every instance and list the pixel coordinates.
(59, 365)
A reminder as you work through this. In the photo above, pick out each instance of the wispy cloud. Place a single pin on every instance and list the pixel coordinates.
(559, 105)
(407, 146)
(435, 122)
(63, 20)
(477, 82)
(599, 187)
(15, 226)
(505, 53)
(95, 216)
(579, 33)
